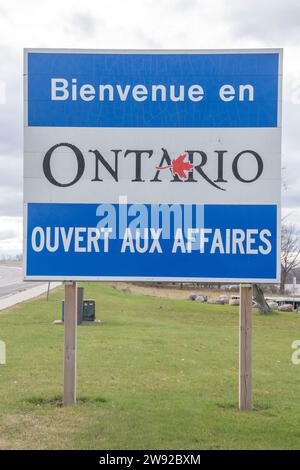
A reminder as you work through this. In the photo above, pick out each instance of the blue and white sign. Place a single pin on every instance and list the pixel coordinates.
(152, 165)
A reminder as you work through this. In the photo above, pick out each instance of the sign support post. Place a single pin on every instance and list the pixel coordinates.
(245, 369)
(70, 344)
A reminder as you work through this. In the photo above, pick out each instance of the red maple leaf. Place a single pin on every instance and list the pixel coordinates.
(178, 167)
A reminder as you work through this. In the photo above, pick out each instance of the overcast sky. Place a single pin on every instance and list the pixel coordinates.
(108, 24)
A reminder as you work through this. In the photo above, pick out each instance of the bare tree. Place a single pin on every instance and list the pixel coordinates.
(259, 298)
(290, 252)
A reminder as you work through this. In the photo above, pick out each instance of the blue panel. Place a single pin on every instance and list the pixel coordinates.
(211, 71)
(69, 262)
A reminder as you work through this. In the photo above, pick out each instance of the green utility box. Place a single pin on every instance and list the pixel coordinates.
(88, 311)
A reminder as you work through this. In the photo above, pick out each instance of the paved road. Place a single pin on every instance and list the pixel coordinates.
(11, 280)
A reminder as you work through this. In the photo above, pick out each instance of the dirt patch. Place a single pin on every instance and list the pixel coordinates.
(57, 401)
(168, 292)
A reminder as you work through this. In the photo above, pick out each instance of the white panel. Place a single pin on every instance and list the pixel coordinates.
(266, 142)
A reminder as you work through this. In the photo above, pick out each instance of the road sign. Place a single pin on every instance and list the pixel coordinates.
(152, 165)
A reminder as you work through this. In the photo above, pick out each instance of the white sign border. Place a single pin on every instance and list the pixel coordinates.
(278, 51)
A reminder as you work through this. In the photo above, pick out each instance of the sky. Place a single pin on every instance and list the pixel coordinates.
(145, 24)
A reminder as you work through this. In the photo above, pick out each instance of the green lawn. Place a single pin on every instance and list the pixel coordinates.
(158, 374)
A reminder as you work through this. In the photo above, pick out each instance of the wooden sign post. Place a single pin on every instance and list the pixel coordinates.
(70, 345)
(245, 369)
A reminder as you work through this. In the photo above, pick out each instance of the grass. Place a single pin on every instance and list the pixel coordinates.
(157, 374)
